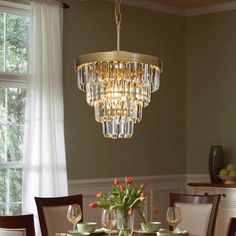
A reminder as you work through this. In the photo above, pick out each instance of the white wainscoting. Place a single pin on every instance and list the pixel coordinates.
(196, 178)
(157, 188)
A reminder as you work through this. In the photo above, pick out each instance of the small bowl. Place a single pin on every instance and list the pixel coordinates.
(86, 227)
(151, 226)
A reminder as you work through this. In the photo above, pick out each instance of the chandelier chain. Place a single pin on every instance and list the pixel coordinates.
(118, 21)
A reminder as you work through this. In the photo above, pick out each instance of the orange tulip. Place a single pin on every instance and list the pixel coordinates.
(93, 205)
(143, 194)
(98, 195)
(129, 180)
(142, 198)
(142, 185)
(116, 181)
(122, 188)
(130, 212)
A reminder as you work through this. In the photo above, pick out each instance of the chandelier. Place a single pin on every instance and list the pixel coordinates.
(118, 84)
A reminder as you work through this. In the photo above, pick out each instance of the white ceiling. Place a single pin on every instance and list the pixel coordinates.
(186, 4)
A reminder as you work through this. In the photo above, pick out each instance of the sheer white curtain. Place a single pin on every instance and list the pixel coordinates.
(44, 149)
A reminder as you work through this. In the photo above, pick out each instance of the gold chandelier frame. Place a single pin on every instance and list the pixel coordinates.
(119, 56)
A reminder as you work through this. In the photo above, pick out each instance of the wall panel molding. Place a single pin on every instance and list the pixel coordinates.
(197, 178)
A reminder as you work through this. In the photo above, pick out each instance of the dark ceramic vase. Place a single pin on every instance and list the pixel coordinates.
(216, 163)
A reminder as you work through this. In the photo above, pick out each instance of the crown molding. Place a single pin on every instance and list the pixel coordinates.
(154, 6)
(220, 7)
(228, 6)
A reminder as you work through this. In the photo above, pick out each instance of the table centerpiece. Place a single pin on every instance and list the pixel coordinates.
(125, 198)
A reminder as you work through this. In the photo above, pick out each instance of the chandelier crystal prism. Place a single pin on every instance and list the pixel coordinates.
(118, 84)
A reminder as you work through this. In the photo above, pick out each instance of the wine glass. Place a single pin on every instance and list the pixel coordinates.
(173, 216)
(109, 220)
(74, 214)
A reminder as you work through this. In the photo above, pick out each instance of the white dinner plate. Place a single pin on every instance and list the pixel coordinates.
(103, 230)
(77, 233)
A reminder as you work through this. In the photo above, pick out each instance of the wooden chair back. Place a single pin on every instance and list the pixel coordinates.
(19, 222)
(199, 199)
(56, 202)
(231, 231)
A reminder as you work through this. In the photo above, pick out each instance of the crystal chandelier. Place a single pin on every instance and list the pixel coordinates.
(118, 84)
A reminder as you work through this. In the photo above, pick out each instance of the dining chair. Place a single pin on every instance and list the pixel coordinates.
(198, 212)
(52, 213)
(20, 225)
(231, 230)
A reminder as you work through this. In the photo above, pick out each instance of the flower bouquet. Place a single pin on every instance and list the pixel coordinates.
(124, 199)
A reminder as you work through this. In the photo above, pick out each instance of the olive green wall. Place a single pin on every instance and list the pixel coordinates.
(210, 88)
(158, 143)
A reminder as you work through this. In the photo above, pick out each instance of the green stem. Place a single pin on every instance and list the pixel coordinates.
(142, 215)
(124, 219)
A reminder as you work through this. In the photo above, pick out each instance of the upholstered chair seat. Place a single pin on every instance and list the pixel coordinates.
(52, 213)
(198, 212)
(195, 217)
(54, 224)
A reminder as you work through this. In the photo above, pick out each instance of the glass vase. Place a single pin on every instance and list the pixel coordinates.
(125, 223)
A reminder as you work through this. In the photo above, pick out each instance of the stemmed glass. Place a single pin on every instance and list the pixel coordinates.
(173, 216)
(109, 220)
(74, 214)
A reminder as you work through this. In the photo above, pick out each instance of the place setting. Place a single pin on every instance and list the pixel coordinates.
(74, 215)
(173, 218)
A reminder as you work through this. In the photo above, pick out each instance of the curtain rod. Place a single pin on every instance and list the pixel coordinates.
(26, 2)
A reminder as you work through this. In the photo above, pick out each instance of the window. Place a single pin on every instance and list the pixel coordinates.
(14, 35)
